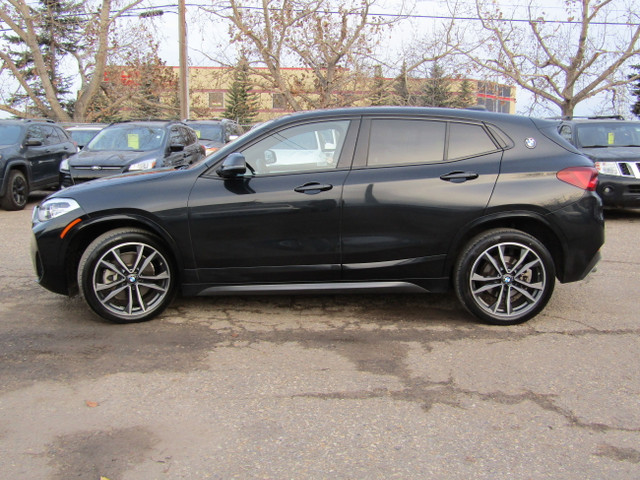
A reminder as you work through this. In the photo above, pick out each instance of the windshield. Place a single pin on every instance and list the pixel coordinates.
(208, 132)
(127, 138)
(9, 134)
(614, 134)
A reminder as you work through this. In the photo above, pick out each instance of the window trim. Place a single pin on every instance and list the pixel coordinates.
(362, 153)
(344, 162)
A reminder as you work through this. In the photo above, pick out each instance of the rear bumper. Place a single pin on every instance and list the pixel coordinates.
(582, 225)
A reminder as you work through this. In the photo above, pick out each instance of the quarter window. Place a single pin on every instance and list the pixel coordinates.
(467, 140)
(405, 142)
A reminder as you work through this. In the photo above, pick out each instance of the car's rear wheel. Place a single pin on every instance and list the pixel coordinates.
(17, 191)
(126, 275)
(504, 276)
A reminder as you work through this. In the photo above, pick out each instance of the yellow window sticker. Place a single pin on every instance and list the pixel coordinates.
(198, 133)
(612, 138)
(133, 141)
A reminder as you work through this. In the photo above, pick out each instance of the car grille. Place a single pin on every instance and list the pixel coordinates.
(83, 174)
(630, 169)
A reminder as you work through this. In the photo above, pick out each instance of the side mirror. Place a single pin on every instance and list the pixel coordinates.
(176, 147)
(33, 142)
(233, 166)
(270, 157)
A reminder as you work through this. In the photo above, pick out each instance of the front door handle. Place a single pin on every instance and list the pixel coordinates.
(312, 188)
(458, 177)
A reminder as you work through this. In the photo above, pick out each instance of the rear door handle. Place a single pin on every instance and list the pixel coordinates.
(458, 177)
(312, 188)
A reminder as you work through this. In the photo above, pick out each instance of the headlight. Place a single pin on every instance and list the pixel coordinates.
(608, 168)
(64, 165)
(144, 165)
(53, 208)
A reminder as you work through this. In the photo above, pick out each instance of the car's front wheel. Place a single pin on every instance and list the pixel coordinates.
(17, 191)
(126, 275)
(504, 276)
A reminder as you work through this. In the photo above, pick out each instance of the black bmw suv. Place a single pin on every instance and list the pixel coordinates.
(493, 206)
(614, 146)
(133, 146)
(30, 154)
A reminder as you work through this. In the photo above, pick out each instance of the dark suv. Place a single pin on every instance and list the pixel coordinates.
(133, 146)
(214, 134)
(614, 146)
(385, 199)
(30, 155)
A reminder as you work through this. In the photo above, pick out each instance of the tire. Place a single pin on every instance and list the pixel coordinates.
(504, 276)
(126, 276)
(17, 192)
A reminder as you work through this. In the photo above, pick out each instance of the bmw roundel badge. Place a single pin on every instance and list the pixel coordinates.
(530, 142)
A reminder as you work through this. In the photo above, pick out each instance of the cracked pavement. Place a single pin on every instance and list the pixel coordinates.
(358, 386)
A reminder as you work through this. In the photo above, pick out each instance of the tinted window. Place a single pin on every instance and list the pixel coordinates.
(314, 146)
(9, 134)
(35, 133)
(565, 131)
(404, 142)
(468, 140)
(50, 136)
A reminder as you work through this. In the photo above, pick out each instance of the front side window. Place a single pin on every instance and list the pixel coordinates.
(406, 142)
(127, 138)
(305, 147)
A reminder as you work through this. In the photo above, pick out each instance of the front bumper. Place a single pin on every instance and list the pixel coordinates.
(619, 191)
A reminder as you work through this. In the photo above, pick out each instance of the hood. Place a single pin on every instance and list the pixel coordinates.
(86, 158)
(122, 179)
(613, 154)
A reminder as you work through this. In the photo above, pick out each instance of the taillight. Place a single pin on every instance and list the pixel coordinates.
(585, 178)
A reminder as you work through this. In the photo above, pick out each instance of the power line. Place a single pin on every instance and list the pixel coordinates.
(145, 12)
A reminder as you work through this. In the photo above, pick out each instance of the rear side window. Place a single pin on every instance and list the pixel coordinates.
(405, 142)
(466, 140)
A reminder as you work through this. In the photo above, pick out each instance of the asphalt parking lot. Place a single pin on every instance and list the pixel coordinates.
(364, 386)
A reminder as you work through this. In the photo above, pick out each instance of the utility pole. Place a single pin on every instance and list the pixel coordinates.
(183, 83)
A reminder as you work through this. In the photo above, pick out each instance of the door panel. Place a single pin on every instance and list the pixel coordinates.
(262, 230)
(280, 223)
(400, 215)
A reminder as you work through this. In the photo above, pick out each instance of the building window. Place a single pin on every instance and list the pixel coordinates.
(279, 101)
(216, 100)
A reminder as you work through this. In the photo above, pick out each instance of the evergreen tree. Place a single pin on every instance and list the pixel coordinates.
(466, 95)
(436, 91)
(379, 91)
(242, 105)
(59, 33)
(635, 109)
(401, 88)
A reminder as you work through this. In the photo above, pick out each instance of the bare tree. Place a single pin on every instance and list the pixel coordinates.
(98, 27)
(564, 61)
(331, 40)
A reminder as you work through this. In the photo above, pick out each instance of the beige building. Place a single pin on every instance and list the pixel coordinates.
(209, 86)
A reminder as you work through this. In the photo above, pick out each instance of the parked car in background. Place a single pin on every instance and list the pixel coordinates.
(614, 146)
(493, 206)
(214, 134)
(133, 146)
(82, 133)
(30, 155)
